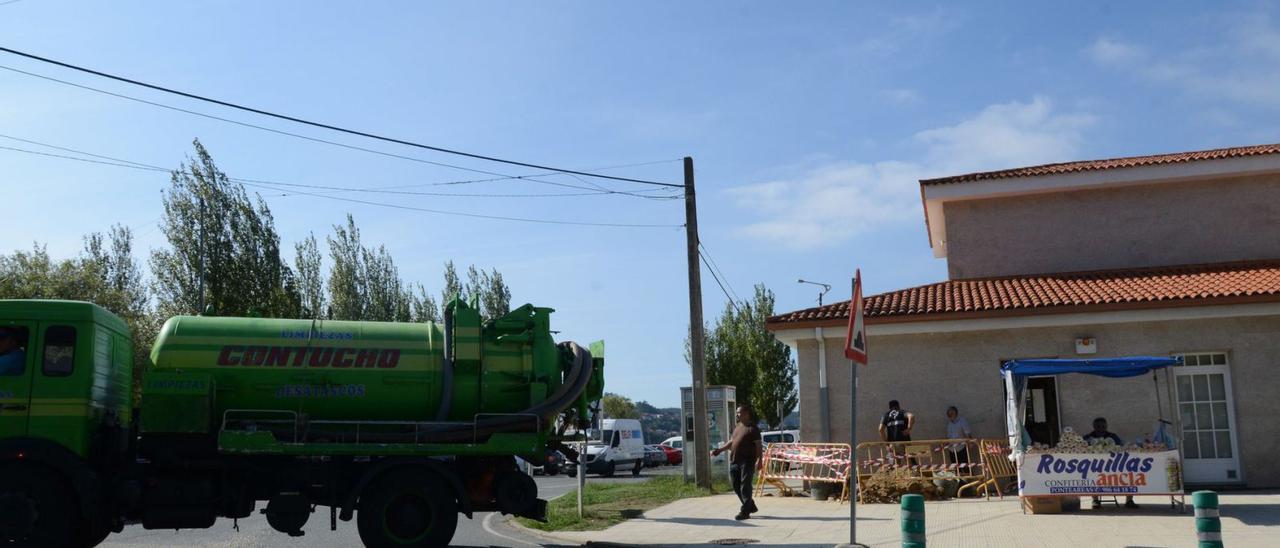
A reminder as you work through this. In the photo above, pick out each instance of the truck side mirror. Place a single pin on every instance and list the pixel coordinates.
(616, 440)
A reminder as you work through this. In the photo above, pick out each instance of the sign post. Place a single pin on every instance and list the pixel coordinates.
(855, 349)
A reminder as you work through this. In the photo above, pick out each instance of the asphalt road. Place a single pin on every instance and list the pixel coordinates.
(483, 530)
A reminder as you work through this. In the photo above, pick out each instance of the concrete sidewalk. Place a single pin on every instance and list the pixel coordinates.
(1248, 519)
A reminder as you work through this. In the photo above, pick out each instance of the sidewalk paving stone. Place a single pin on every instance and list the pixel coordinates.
(1248, 519)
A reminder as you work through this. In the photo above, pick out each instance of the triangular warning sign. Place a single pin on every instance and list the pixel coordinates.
(855, 342)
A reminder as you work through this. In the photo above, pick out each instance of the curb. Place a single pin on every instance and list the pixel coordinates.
(549, 536)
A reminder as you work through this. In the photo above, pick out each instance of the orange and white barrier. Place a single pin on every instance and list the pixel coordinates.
(812, 462)
(924, 459)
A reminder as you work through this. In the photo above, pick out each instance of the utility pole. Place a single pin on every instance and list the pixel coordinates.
(701, 443)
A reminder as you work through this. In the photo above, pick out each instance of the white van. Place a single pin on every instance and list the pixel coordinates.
(674, 442)
(618, 445)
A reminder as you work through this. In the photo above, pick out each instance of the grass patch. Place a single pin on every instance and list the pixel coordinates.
(606, 504)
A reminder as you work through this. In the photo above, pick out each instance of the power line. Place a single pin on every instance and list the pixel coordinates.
(720, 283)
(329, 126)
(145, 167)
(475, 215)
(150, 167)
(716, 266)
(497, 176)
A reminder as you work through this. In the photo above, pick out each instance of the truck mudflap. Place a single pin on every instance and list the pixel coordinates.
(538, 511)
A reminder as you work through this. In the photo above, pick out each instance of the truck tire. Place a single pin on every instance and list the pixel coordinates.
(609, 468)
(635, 471)
(37, 507)
(90, 537)
(407, 507)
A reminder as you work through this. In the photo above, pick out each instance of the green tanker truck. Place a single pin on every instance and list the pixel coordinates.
(399, 426)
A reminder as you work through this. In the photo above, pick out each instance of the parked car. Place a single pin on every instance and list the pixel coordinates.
(654, 456)
(674, 456)
(552, 467)
(675, 442)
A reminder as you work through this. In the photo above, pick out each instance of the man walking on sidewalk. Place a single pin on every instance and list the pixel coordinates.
(745, 448)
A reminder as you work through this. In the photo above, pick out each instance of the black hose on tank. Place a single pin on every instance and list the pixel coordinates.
(575, 383)
(446, 393)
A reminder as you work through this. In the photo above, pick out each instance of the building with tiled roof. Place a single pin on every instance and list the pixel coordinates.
(1170, 254)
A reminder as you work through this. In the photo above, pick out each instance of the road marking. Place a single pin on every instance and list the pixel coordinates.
(489, 529)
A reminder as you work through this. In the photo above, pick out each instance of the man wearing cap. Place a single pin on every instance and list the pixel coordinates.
(13, 359)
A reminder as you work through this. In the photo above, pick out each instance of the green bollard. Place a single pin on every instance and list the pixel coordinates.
(913, 521)
(1208, 525)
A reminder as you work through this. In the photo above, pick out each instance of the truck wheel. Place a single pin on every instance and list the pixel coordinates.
(407, 507)
(37, 508)
(90, 537)
(635, 471)
(609, 467)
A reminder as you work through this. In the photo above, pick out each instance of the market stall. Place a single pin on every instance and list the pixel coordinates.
(1074, 467)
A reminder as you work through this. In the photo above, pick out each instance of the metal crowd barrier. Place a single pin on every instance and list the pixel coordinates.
(924, 459)
(812, 462)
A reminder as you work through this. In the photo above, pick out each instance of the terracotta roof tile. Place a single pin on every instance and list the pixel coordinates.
(1170, 286)
(1113, 163)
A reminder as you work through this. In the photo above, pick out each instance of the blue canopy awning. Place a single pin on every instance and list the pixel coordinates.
(1106, 367)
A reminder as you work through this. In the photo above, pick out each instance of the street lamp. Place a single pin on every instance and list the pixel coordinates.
(825, 288)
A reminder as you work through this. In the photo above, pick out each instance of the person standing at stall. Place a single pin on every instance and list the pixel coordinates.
(958, 429)
(896, 424)
(1100, 432)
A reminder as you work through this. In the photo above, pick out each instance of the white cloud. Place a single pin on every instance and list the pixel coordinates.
(1005, 135)
(827, 205)
(1112, 52)
(1242, 65)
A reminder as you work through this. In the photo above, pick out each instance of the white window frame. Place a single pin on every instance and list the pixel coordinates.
(1225, 369)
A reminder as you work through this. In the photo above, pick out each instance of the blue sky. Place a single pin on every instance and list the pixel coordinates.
(809, 124)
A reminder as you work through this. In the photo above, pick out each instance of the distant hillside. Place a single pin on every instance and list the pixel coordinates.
(659, 423)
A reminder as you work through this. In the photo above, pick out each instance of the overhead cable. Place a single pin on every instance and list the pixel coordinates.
(327, 126)
(136, 165)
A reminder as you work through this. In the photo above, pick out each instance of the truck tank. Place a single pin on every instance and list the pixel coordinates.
(457, 370)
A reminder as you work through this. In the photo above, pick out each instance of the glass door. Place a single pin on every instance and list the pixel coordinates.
(1206, 410)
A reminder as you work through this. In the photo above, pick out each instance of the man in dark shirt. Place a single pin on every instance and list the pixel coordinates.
(1100, 432)
(745, 448)
(896, 424)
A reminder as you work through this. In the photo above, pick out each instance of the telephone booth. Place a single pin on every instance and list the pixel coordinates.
(722, 403)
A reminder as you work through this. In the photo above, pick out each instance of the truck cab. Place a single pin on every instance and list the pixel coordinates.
(65, 413)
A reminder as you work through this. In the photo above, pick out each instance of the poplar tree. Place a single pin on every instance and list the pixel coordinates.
(308, 263)
(740, 352)
(222, 245)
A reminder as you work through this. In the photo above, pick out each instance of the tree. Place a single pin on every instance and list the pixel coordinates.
(742, 353)
(307, 263)
(619, 407)
(424, 306)
(496, 297)
(365, 284)
(222, 247)
(346, 283)
(452, 286)
(485, 288)
(387, 300)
